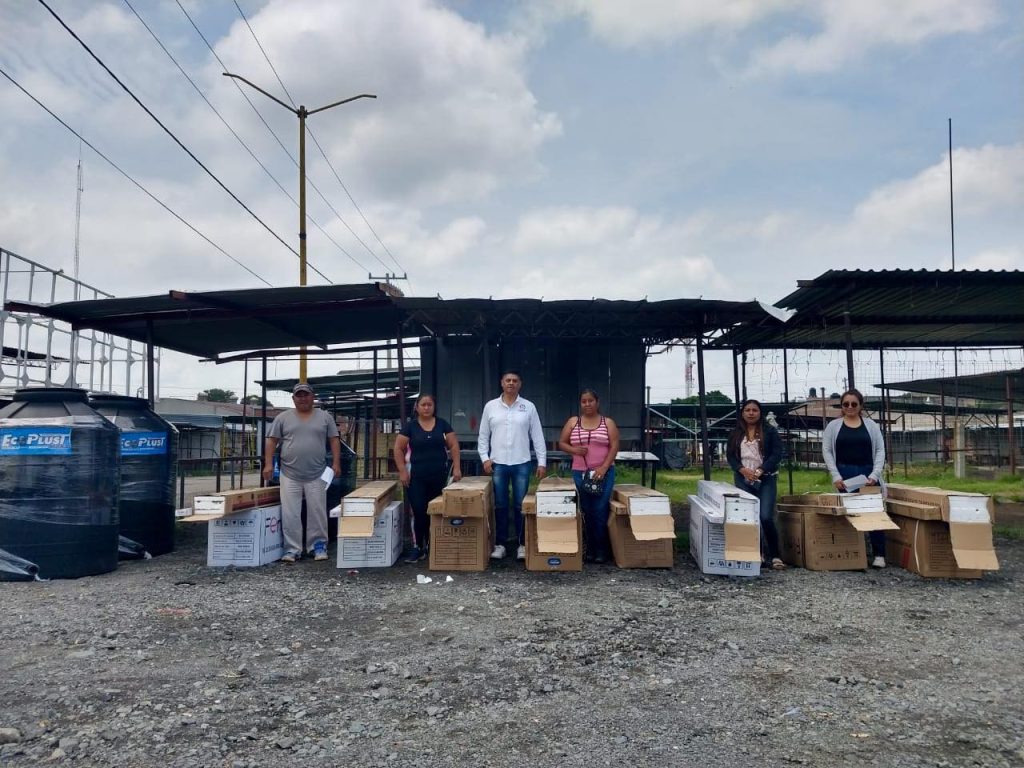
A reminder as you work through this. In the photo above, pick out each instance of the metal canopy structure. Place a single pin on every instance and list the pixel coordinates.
(210, 323)
(350, 382)
(994, 387)
(894, 308)
(656, 322)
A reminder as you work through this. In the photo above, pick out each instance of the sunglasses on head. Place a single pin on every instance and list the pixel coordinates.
(850, 404)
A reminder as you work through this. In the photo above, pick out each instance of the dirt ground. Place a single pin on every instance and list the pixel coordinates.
(167, 662)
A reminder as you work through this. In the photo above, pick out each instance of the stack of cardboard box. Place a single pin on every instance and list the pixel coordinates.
(244, 526)
(825, 531)
(640, 527)
(946, 534)
(370, 529)
(725, 530)
(462, 526)
(553, 527)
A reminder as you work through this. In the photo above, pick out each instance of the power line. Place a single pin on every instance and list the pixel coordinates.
(235, 134)
(270, 130)
(124, 173)
(326, 158)
(170, 133)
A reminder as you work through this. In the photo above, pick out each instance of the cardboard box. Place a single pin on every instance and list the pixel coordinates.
(470, 497)
(819, 542)
(925, 547)
(382, 548)
(965, 519)
(250, 538)
(462, 525)
(557, 523)
(230, 502)
(708, 544)
(360, 508)
(629, 550)
(553, 543)
(649, 512)
(862, 511)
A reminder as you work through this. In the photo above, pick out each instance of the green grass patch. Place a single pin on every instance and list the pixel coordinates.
(1008, 532)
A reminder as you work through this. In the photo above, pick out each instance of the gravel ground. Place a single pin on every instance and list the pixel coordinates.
(167, 662)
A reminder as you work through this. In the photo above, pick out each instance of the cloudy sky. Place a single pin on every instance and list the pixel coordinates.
(563, 149)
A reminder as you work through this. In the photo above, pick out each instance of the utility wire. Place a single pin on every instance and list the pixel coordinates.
(326, 158)
(266, 125)
(124, 173)
(235, 134)
(170, 133)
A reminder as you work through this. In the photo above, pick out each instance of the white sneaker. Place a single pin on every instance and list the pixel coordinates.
(521, 553)
(498, 553)
(878, 562)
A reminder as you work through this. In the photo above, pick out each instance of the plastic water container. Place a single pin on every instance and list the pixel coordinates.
(59, 483)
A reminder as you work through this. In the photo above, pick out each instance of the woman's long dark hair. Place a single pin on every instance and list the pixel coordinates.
(739, 433)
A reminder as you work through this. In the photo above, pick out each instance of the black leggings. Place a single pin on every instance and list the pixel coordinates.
(423, 488)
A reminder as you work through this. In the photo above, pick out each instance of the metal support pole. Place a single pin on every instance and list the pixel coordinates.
(401, 376)
(785, 394)
(644, 416)
(848, 334)
(245, 405)
(1012, 442)
(736, 379)
(744, 377)
(883, 411)
(150, 366)
(373, 436)
(702, 398)
(942, 424)
(263, 421)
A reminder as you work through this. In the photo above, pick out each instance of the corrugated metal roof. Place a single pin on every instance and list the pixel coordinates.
(991, 387)
(895, 308)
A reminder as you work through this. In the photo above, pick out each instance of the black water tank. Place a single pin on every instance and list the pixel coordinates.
(59, 483)
(149, 450)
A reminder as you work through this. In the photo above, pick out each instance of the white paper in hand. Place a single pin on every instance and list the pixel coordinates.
(855, 483)
(327, 476)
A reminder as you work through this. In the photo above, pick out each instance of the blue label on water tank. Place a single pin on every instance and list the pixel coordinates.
(143, 443)
(35, 441)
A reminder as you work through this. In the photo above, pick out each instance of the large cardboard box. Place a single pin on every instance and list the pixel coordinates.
(820, 542)
(462, 525)
(924, 547)
(863, 511)
(554, 540)
(649, 512)
(708, 543)
(379, 550)
(230, 502)
(360, 508)
(959, 524)
(253, 537)
(629, 550)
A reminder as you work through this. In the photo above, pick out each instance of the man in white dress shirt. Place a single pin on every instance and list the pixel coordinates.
(508, 425)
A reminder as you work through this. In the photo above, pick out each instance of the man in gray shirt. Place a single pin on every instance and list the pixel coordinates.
(303, 434)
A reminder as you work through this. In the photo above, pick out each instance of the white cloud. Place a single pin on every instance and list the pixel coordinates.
(849, 30)
(986, 181)
(997, 258)
(843, 31)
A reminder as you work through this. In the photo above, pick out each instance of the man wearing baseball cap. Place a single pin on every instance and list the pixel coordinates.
(302, 433)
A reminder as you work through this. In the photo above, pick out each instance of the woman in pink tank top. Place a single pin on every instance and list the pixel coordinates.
(592, 440)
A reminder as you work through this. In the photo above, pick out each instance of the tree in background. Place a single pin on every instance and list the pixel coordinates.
(714, 396)
(220, 395)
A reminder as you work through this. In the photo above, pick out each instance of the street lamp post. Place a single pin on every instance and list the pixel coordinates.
(302, 113)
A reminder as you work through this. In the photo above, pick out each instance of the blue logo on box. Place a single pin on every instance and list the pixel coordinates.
(554, 562)
(35, 441)
(143, 443)
(456, 521)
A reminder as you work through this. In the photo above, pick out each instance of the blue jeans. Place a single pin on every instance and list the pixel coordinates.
(767, 494)
(595, 514)
(877, 538)
(518, 476)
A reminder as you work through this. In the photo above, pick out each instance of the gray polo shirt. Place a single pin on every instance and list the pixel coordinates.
(303, 442)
